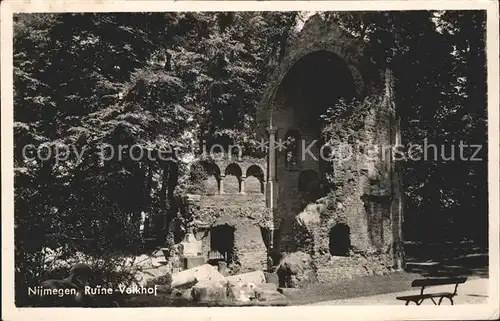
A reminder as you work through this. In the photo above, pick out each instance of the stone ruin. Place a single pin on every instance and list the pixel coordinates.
(230, 214)
(346, 211)
(343, 213)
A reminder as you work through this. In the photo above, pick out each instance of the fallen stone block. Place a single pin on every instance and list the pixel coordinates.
(205, 272)
(208, 291)
(193, 261)
(241, 292)
(182, 278)
(272, 278)
(296, 270)
(256, 277)
(186, 294)
(266, 287)
(269, 295)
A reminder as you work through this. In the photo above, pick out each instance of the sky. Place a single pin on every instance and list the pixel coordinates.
(303, 17)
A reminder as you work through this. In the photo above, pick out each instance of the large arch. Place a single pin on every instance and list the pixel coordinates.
(315, 83)
(312, 86)
(317, 34)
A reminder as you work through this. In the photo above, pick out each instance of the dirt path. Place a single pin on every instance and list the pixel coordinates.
(474, 291)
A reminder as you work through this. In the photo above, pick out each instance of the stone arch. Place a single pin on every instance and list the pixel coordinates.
(292, 150)
(254, 182)
(318, 34)
(212, 181)
(313, 83)
(232, 178)
(311, 86)
(354, 72)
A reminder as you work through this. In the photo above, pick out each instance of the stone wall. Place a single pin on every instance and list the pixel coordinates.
(344, 212)
(361, 195)
(239, 206)
(353, 202)
(244, 213)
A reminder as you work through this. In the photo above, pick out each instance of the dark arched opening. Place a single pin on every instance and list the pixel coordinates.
(213, 177)
(232, 180)
(340, 240)
(315, 83)
(308, 181)
(254, 182)
(222, 243)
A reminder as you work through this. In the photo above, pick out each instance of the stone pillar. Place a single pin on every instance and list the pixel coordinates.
(271, 159)
(221, 184)
(242, 185)
(272, 185)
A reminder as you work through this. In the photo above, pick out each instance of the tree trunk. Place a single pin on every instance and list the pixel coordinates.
(161, 227)
(171, 211)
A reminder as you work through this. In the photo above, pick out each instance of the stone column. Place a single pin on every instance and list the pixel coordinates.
(221, 184)
(270, 251)
(272, 185)
(271, 159)
(242, 185)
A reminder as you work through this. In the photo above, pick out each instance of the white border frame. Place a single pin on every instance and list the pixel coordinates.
(489, 310)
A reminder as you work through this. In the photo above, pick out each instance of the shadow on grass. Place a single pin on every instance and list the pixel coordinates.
(447, 259)
(352, 288)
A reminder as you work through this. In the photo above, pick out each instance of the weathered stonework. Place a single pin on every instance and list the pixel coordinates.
(348, 217)
(345, 212)
(236, 201)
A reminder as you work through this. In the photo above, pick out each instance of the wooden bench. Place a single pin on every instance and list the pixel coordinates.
(423, 283)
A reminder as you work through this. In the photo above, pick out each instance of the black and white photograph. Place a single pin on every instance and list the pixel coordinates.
(286, 155)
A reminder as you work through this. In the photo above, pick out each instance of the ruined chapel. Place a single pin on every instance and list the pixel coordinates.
(345, 212)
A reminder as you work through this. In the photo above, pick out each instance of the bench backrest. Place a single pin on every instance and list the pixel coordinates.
(442, 281)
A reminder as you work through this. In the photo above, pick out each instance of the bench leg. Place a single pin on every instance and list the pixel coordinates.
(417, 302)
(435, 301)
(449, 298)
